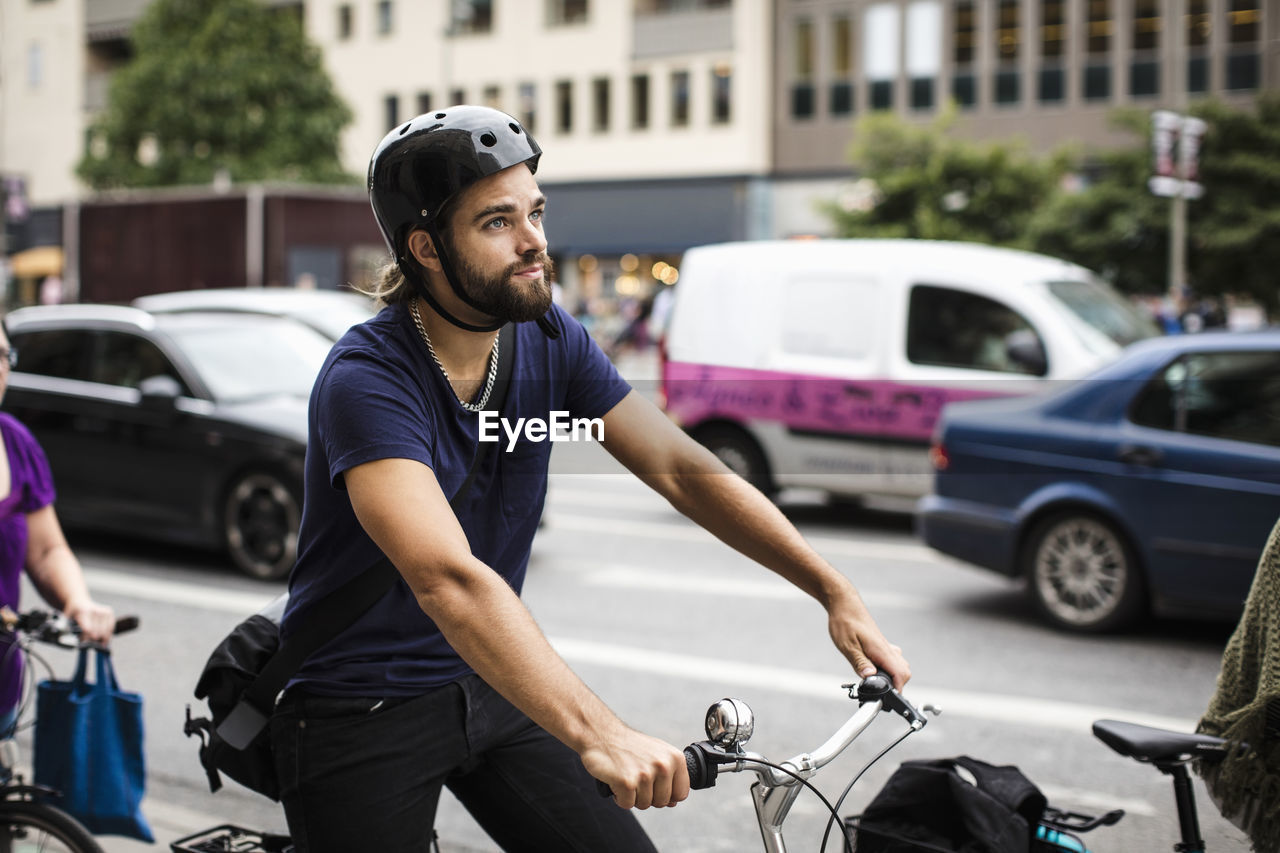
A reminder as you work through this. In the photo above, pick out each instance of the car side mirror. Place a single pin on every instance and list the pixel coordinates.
(1024, 349)
(159, 392)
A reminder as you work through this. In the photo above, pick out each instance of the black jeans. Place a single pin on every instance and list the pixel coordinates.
(362, 775)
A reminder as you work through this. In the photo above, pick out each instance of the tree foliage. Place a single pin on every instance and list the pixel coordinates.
(1113, 225)
(930, 185)
(217, 86)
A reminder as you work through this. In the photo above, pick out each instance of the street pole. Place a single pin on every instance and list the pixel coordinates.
(1178, 210)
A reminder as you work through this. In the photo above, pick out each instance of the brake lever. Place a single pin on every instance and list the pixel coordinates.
(879, 687)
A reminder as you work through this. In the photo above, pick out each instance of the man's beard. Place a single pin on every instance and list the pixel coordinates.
(500, 297)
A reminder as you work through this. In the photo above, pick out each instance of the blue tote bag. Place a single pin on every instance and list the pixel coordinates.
(88, 747)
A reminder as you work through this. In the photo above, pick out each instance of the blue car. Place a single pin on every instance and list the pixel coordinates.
(1152, 485)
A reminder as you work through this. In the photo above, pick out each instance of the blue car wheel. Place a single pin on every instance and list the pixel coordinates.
(1083, 574)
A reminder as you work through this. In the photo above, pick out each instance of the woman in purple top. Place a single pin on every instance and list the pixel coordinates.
(31, 538)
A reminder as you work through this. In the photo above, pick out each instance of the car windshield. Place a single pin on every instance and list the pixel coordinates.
(243, 356)
(1105, 310)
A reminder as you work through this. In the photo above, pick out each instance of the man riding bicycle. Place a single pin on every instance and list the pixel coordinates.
(447, 681)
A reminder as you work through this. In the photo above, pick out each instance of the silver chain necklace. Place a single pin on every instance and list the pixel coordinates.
(493, 362)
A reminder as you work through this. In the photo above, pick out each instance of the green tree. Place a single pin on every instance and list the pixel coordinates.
(1234, 229)
(1117, 227)
(217, 86)
(1114, 226)
(930, 185)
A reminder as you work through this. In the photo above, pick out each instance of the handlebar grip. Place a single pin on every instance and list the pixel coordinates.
(125, 624)
(698, 758)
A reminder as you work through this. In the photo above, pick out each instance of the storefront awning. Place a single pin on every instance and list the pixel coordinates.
(37, 263)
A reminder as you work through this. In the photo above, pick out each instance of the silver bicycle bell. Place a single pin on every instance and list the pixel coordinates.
(730, 723)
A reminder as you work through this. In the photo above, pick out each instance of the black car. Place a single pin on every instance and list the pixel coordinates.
(188, 427)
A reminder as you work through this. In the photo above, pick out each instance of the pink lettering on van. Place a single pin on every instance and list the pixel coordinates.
(874, 408)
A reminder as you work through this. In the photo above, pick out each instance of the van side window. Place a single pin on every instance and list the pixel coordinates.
(1232, 395)
(952, 328)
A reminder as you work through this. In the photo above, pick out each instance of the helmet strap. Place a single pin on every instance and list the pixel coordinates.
(446, 266)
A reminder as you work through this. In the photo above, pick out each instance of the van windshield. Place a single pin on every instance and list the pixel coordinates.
(1105, 310)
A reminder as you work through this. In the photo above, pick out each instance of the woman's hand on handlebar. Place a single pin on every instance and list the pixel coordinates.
(859, 639)
(97, 621)
(642, 771)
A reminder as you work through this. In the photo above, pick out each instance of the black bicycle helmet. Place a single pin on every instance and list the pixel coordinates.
(420, 165)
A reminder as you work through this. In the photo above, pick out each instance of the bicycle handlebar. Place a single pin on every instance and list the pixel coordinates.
(56, 629)
(874, 694)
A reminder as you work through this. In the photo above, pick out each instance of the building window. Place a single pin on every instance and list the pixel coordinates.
(561, 12)
(881, 54)
(1097, 82)
(1007, 32)
(1244, 65)
(529, 106)
(679, 98)
(639, 101)
(964, 90)
(458, 96)
(721, 94)
(492, 97)
(1053, 29)
(391, 111)
(922, 93)
(841, 94)
(345, 24)
(385, 17)
(963, 33)
(1197, 39)
(600, 104)
(471, 16)
(881, 97)
(924, 45)
(424, 103)
(1097, 70)
(1144, 69)
(1146, 25)
(802, 99)
(1051, 86)
(564, 106)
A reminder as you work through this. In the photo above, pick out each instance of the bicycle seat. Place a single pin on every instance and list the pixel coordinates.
(1157, 746)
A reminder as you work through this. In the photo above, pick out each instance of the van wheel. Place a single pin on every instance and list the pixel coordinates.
(740, 453)
(1083, 574)
(261, 517)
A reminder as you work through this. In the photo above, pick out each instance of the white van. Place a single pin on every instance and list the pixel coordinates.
(824, 364)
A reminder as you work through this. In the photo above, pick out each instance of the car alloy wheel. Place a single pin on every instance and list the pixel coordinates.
(1083, 575)
(740, 454)
(261, 522)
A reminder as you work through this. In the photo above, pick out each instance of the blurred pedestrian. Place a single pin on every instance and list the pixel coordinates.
(31, 538)
(1245, 709)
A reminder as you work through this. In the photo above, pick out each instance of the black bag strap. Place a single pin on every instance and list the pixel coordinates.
(340, 609)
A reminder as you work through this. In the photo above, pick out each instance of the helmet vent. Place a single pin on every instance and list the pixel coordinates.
(405, 129)
(515, 128)
(440, 115)
(488, 140)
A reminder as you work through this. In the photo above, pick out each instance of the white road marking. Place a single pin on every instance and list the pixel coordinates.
(689, 532)
(724, 586)
(1018, 710)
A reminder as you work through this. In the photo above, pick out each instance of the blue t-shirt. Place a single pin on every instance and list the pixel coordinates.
(380, 395)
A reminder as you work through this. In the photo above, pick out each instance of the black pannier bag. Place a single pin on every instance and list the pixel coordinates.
(231, 669)
(951, 805)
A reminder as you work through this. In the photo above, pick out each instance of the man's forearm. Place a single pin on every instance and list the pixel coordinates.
(492, 630)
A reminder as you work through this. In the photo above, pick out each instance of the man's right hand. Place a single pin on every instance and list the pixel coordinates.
(642, 771)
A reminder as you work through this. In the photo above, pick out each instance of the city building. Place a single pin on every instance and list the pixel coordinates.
(1048, 71)
(670, 123)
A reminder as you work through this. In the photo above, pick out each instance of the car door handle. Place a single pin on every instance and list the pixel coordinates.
(1135, 454)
